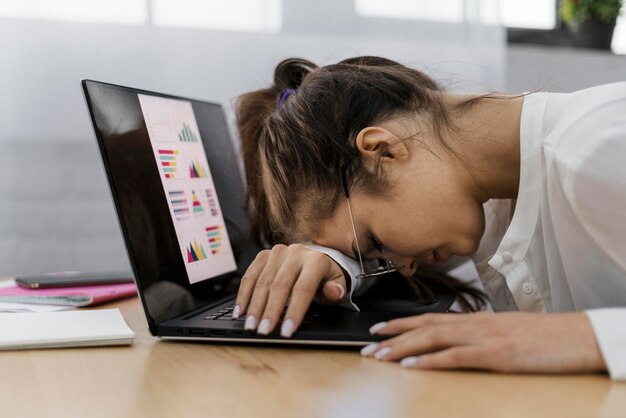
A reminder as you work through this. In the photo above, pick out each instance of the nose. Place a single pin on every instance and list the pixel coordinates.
(407, 266)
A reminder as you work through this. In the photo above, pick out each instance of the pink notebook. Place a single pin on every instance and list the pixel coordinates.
(72, 296)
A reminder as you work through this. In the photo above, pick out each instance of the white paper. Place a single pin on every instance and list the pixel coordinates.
(64, 329)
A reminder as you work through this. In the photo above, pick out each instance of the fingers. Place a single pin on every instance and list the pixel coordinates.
(262, 286)
(463, 341)
(440, 347)
(418, 342)
(506, 342)
(465, 357)
(276, 296)
(333, 291)
(303, 292)
(400, 325)
(249, 281)
(283, 274)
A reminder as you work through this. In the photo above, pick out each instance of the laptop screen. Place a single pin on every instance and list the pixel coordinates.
(178, 194)
(188, 187)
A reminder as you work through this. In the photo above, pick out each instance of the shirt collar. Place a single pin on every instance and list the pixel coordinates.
(516, 240)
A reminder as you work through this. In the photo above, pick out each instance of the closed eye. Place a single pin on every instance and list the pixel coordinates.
(377, 244)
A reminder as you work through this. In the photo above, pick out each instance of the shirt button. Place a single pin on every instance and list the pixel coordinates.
(507, 257)
(528, 288)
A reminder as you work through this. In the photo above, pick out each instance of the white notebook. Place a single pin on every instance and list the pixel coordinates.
(64, 329)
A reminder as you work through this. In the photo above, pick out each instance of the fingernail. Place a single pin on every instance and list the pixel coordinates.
(381, 354)
(377, 327)
(264, 327)
(409, 361)
(342, 290)
(236, 311)
(286, 330)
(369, 349)
(250, 323)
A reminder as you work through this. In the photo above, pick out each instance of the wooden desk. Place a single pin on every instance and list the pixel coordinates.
(154, 378)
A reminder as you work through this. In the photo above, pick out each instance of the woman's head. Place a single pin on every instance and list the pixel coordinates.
(297, 135)
(422, 163)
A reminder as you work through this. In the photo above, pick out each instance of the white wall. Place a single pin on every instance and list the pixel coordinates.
(55, 210)
(561, 69)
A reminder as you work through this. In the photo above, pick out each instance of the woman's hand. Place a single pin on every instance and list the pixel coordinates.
(506, 342)
(283, 273)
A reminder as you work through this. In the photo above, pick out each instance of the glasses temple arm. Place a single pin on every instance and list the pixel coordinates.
(356, 240)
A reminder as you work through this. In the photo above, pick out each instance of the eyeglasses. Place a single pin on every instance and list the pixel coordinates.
(389, 266)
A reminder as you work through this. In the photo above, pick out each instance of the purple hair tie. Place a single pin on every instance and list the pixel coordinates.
(283, 97)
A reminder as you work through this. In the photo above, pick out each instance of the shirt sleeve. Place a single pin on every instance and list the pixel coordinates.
(357, 286)
(609, 326)
(594, 181)
(596, 187)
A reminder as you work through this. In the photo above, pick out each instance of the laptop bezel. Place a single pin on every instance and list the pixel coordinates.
(216, 284)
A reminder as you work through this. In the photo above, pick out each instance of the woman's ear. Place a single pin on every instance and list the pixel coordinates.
(376, 142)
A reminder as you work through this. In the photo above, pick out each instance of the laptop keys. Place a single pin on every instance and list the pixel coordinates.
(226, 314)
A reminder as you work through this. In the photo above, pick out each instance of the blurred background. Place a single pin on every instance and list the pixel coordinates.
(55, 208)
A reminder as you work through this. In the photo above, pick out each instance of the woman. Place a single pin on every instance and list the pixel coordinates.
(370, 160)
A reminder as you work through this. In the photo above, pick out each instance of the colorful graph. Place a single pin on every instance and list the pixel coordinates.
(187, 135)
(195, 252)
(196, 171)
(212, 202)
(168, 157)
(197, 207)
(179, 202)
(214, 235)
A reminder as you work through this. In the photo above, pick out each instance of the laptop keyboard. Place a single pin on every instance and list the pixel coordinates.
(226, 314)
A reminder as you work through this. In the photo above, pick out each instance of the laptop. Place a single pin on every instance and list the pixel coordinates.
(180, 200)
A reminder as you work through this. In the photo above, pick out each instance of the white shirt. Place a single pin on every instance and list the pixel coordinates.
(561, 246)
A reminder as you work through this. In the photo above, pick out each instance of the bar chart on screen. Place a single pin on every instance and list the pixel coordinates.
(179, 203)
(186, 134)
(214, 236)
(168, 161)
(213, 207)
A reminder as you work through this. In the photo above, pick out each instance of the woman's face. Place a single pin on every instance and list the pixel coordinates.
(427, 214)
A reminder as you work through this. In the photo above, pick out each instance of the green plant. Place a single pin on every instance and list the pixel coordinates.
(582, 10)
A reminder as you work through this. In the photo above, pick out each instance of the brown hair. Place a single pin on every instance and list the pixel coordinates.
(295, 143)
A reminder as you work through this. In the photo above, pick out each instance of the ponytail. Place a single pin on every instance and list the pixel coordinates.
(252, 112)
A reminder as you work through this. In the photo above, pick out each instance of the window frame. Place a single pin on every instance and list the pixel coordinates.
(558, 36)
